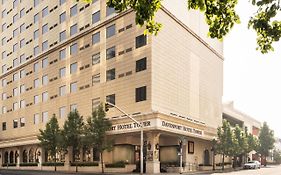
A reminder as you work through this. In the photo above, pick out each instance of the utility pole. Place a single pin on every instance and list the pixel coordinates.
(107, 104)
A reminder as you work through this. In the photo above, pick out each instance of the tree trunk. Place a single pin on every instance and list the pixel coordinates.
(222, 161)
(102, 165)
(55, 163)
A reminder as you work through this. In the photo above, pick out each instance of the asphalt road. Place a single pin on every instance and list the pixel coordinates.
(269, 170)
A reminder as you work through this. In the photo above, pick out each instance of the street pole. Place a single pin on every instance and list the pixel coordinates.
(141, 130)
(180, 156)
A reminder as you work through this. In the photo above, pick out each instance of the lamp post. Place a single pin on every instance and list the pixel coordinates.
(141, 130)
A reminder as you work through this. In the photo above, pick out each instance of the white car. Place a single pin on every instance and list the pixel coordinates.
(252, 165)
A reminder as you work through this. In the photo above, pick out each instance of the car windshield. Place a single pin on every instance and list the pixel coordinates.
(251, 162)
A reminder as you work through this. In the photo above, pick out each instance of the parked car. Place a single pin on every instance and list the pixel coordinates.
(252, 165)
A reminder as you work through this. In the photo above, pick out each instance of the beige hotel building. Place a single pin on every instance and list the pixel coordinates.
(60, 55)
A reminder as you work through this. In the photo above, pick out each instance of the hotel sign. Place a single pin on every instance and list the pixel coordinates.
(156, 124)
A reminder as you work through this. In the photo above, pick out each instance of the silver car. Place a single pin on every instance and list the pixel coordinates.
(252, 165)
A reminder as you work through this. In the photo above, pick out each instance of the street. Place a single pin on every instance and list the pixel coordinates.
(270, 170)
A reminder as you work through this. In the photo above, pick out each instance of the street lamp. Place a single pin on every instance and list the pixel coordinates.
(107, 104)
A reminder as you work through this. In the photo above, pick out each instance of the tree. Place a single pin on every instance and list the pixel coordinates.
(252, 144)
(277, 156)
(73, 132)
(220, 17)
(50, 138)
(239, 143)
(266, 141)
(224, 141)
(95, 131)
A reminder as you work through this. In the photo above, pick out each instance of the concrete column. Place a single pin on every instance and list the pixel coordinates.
(152, 161)
(68, 156)
(1, 157)
(92, 154)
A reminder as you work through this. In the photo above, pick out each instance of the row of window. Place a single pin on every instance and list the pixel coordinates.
(110, 53)
(140, 95)
(45, 28)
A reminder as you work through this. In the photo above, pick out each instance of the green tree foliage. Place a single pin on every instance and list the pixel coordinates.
(224, 141)
(240, 143)
(266, 140)
(220, 17)
(277, 156)
(95, 132)
(50, 138)
(73, 132)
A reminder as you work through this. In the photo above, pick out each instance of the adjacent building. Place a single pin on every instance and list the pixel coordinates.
(246, 122)
(59, 55)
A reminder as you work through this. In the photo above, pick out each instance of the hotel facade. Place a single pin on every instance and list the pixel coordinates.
(61, 55)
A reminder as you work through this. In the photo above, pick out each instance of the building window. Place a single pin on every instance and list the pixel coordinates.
(73, 49)
(140, 41)
(36, 67)
(96, 58)
(141, 65)
(141, 94)
(45, 80)
(44, 117)
(62, 112)
(73, 107)
(62, 54)
(73, 87)
(22, 122)
(4, 82)
(95, 103)
(36, 34)
(22, 43)
(95, 79)
(15, 92)
(15, 77)
(73, 68)
(110, 31)
(22, 58)
(4, 13)
(96, 38)
(22, 73)
(15, 18)
(22, 104)
(45, 45)
(45, 12)
(15, 123)
(36, 50)
(45, 29)
(62, 36)
(62, 72)
(4, 41)
(15, 62)
(36, 18)
(4, 110)
(36, 2)
(44, 96)
(4, 26)
(4, 55)
(73, 10)
(109, 11)
(15, 3)
(4, 96)
(15, 106)
(4, 68)
(36, 119)
(62, 90)
(111, 98)
(36, 83)
(15, 47)
(62, 2)
(22, 28)
(36, 99)
(110, 74)
(110, 53)
(62, 17)
(22, 12)
(96, 17)
(4, 126)
(73, 29)
(45, 63)
(22, 88)
(15, 32)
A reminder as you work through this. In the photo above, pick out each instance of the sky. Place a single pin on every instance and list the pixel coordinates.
(251, 79)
